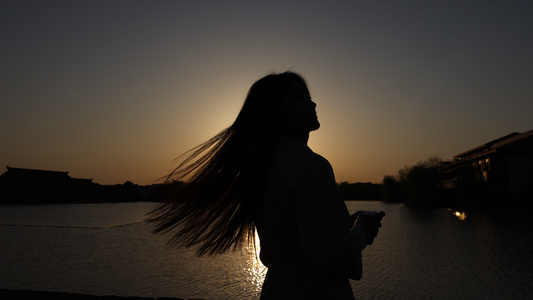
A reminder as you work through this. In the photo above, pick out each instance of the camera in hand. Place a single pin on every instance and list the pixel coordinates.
(370, 221)
(369, 213)
(366, 213)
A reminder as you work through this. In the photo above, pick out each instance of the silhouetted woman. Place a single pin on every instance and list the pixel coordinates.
(259, 174)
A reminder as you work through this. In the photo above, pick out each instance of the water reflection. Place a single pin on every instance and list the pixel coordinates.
(254, 268)
(460, 215)
(418, 254)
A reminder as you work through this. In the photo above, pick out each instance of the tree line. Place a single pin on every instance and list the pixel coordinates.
(417, 185)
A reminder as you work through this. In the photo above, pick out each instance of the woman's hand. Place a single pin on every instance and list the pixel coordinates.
(370, 221)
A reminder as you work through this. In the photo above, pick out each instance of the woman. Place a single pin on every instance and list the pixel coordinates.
(259, 173)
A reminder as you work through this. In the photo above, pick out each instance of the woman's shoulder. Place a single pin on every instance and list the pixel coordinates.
(299, 157)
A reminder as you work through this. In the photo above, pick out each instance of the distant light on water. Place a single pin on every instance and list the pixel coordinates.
(460, 215)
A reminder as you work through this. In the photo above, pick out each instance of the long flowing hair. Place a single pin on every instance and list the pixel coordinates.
(213, 191)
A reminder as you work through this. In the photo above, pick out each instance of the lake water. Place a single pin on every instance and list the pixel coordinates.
(106, 249)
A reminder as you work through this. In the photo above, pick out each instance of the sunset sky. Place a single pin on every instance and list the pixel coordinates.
(115, 90)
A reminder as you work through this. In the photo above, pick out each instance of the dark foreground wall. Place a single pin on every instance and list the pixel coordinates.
(36, 295)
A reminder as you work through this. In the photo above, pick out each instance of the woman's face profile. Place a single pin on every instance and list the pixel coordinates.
(298, 110)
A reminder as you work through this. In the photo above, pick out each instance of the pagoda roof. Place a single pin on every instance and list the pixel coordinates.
(37, 176)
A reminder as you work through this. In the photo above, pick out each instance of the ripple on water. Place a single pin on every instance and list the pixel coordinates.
(418, 254)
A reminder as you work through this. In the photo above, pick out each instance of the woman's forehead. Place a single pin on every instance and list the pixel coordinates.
(297, 88)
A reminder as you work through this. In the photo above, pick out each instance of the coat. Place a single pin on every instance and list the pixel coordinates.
(308, 243)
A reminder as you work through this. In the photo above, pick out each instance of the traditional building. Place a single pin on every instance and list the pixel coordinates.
(500, 168)
(18, 186)
(30, 186)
